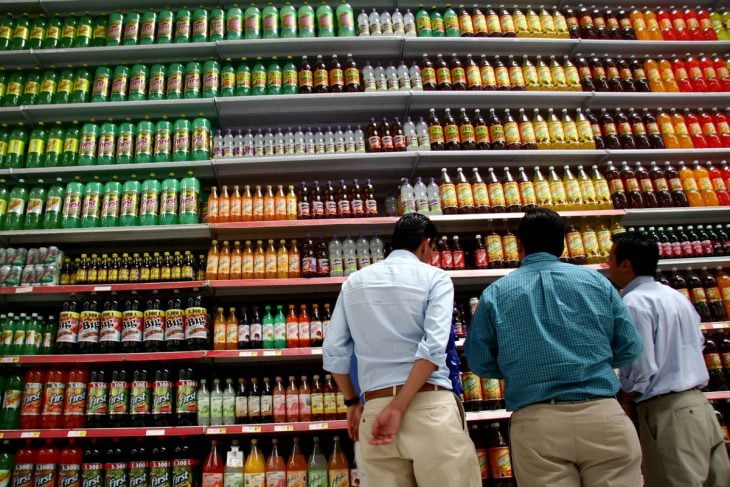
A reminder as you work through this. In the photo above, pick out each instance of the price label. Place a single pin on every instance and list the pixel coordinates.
(2, 435)
(316, 351)
(216, 431)
(10, 360)
(283, 427)
(101, 288)
(23, 289)
(248, 353)
(272, 353)
(30, 434)
(318, 426)
(251, 429)
(155, 433)
(76, 434)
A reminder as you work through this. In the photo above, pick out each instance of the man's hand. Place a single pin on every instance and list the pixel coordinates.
(353, 421)
(386, 426)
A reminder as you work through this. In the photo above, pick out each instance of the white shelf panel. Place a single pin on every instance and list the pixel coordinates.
(201, 169)
(122, 110)
(159, 233)
(642, 48)
(655, 100)
(694, 262)
(369, 47)
(476, 46)
(676, 216)
(423, 100)
(17, 59)
(149, 54)
(12, 115)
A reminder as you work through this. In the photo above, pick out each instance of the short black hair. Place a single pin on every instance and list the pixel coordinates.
(542, 230)
(638, 248)
(412, 229)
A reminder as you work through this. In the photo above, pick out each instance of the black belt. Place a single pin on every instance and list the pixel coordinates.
(574, 401)
(659, 396)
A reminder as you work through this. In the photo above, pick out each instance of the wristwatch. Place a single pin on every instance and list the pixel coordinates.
(353, 401)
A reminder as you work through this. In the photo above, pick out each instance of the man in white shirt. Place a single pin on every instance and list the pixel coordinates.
(681, 440)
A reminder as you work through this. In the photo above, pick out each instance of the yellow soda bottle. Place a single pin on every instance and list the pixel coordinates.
(587, 190)
(555, 129)
(574, 199)
(572, 76)
(542, 189)
(542, 132)
(557, 190)
(603, 191)
(586, 140)
(544, 77)
(590, 244)
(254, 470)
(560, 82)
(604, 240)
(572, 139)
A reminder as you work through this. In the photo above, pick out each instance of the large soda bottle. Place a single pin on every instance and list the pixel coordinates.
(317, 468)
(275, 466)
(115, 468)
(92, 468)
(213, 469)
(500, 464)
(89, 328)
(197, 326)
(140, 398)
(97, 402)
(17, 202)
(174, 326)
(186, 398)
(32, 399)
(132, 327)
(34, 210)
(138, 465)
(110, 328)
(162, 397)
(118, 408)
(154, 327)
(74, 409)
(183, 467)
(23, 470)
(160, 472)
(46, 466)
(68, 329)
(53, 399)
(339, 469)
(69, 465)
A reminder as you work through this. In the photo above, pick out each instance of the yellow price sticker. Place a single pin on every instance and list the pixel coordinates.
(30, 434)
(248, 353)
(216, 431)
(76, 434)
(283, 427)
(251, 429)
(318, 426)
(10, 360)
(272, 353)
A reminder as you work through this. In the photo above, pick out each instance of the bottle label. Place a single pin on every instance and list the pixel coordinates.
(132, 326)
(68, 327)
(118, 397)
(89, 327)
(196, 323)
(154, 325)
(481, 134)
(162, 397)
(500, 465)
(436, 134)
(496, 194)
(511, 133)
(139, 399)
(451, 134)
(97, 402)
(296, 478)
(31, 399)
(527, 192)
(214, 480)
(511, 193)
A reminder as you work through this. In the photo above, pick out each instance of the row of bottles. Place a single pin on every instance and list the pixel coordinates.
(255, 204)
(26, 267)
(316, 259)
(709, 292)
(26, 334)
(481, 393)
(716, 352)
(106, 143)
(680, 242)
(96, 204)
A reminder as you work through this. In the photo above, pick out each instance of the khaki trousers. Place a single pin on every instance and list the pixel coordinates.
(589, 444)
(682, 442)
(432, 447)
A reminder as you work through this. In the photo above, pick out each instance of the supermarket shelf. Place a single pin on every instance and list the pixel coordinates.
(434, 160)
(423, 100)
(153, 53)
(288, 355)
(494, 415)
(255, 287)
(654, 100)
(416, 46)
(201, 169)
(641, 48)
(667, 154)
(97, 358)
(670, 216)
(103, 432)
(265, 111)
(717, 395)
(275, 428)
(371, 47)
(694, 262)
(12, 115)
(121, 110)
(62, 292)
(161, 233)
(17, 59)
(22, 6)
(299, 228)
(717, 325)
(481, 276)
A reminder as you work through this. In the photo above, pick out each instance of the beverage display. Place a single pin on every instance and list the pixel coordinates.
(26, 267)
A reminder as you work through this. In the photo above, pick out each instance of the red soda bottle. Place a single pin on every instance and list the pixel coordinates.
(214, 468)
(665, 25)
(681, 75)
(696, 77)
(695, 129)
(723, 73)
(680, 24)
(53, 398)
(722, 123)
(693, 24)
(32, 401)
(718, 184)
(708, 33)
(708, 129)
(69, 466)
(74, 411)
(46, 465)
(708, 69)
(24, 469)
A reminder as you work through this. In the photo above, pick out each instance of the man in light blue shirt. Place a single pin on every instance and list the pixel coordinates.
(680, 437)
(395, 317)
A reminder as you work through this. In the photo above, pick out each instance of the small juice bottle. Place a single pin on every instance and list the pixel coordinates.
(680, 128)
(669, 137)
(587, 190)
(219, 330)
(708, 33)
(254, 470)
(704, 184)
(574, 197)
(709, 130)
(693, 24)
(689, 184)
(211, 269)
(639, 24)
(723, 72)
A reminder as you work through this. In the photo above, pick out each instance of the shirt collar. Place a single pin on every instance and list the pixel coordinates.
(638, 281)
(538, 257)
(403, 254)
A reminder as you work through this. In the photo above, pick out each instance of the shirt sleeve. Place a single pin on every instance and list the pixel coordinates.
(481, 342)
(437, 322)
(636, 376)
(626, 342)
(337, 349)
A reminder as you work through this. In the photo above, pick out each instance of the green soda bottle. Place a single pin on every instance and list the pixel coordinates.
(54, 148)
(234, 24)
(50, 328)
(4, 137)
(4, 196)
(68, 32)
(147, 28)
(228, 79)
(243, 79)
(34, 211)
(182, 26)
(163, 141)
(192, 80)
(14, 90)
(437, 24)
(169, 201)
(102, 84)
(16, 149)
(273, 78)
(21, 325)
(270, 22)
(10, 409)
(143, 143)
(252, 23)
(201, 139)
(3, 85)
(325, 21)
(110, 204)
(130, 34)
(91, 208)
(129, 209)
(158, 72)
(288, 21)
(6, 335)
(82, 86)
(32, 345)
(181, 141)
(48, 88)
(306, 21)
(107, 143)
(36, 148)
(21, 33)
(6, 32)
(31, 88)
(217, 29)
(71, 213)
(279, 328)
(149, 205)
(120, 83)
(174, 85)
(451, 23)
(114, 29)
(138, 83)
(65, 86)
(84, 32)
(125, 144)
(290, 80)
(37, 33)
(17, 201)
(258, 78)
(54, 204)
(98, 38)
(189, 207)
(211, 78)
(71, 142)
(53, 33)
(165, 26)
(345, 20)
(87, 148)
(267, 328)
(200, 25)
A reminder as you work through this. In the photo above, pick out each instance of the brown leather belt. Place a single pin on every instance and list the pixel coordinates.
(392, 391)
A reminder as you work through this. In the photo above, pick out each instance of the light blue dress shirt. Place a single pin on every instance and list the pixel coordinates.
(553, 331)
(388, 315)
(670, 328)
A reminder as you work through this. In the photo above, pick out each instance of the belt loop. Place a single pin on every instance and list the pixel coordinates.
(552, 401)
(395, 390)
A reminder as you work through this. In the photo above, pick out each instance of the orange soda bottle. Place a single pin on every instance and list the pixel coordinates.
(668, 80)
(666, 127)
(296, 466)
(282, 261)
(689, 184)
(224, 205)
(339, 468)
(236, 261)
(246, 204)
(231, 330)
(680, 128)
(213, 205)
(219, 330)
(247, 261)
(651, 68)
(224, 262)
(652, 26)
(704, 184)
(211, 268)
(254, 470)
(270, 261)
(723, 282)
(639, 24)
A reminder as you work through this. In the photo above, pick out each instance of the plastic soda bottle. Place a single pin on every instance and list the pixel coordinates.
(110, 205)
(275, 466)
(91, 207)
(189, 206)
(254, 470)
(169, 201)
(129, 207)
(149, 202)
(296, 466)
(17, 202)
(339, 469)
(213, 470)
(36, 200)
(317, 468)
(53, 205)
(306, 20)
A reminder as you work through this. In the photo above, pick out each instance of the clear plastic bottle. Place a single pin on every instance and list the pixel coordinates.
(229, 403)
(268, 143)
(203, 398)
(308, 142)
(247, 148)
(319, 142)
(416, 80)
(339, 140)
(218, 145)
(216, 403)
(374, 21)
(409, 130)
(420, 194)
(391, 77)
(299, 142)
(337, 268)
(363, 24)
(228, 145)
(386, 23)
(329, 141)
(350, 145)
(258, 144)
(349, 256)
(289, 141)
(407, 197)
(377, 249)
(381, 80)
(404, 77)
(359, 139)
(398, 23)
(363, 252)
(279, 149)
(238, 144)
(434, 198)
(409, 23)
(424, 140)
(368, 77)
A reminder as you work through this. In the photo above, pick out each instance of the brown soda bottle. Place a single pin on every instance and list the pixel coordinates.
(473, 74)
(428, 74)
(714, 298)
(496, 193)
(576, 249)
(527, 131)
(318, 202)
(336, 76)
(496, 131)
(480, 192)
(585, 74)
(481, 131)
(481, 258)
(511, 131)
(501, 74)
(458, 254)
(447, 256)
(600, 80)
(527, 189)
(571, 18)
(494, 26)
(529, 73)
(511, 192)
(641, 82)
(304, 211)
(587, 29)
(714, 366)
(357, 203)
(646, 184)
(661, 186)
(641, 136)
(343, 201)
(631, 184)
(626, 77)
(609, 130)
(489, 76)
(479, 21)
(613, 75)
(510, 247)
(321, 76)
(653, 131)
(451, 132)
(599, 23)
(466, 131)
(699, 297)
(372, 133)
(506, 22)
(386, 137)
(399, 137)
(447, 192)
(516, 78)
(443, 74)
(625, 133)
(306, 78)
(458, 74)
(352, 75)
(616, 184)
(495, 251)
(435, 131)
(613, 29)
(627, 28)
(542, 132)
(464, 195)
(500, 463)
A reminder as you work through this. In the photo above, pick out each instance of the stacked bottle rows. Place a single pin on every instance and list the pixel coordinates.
(716, 351)
(676, 242)
(709, 292)
(27, 335)
(27, 267)
(97, 204)
(481, 393)
(106, 143)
